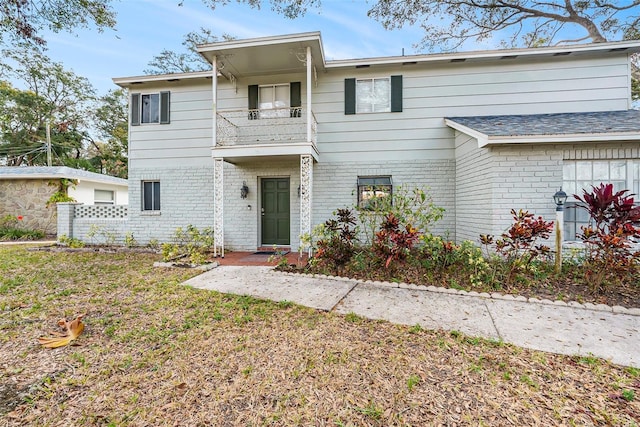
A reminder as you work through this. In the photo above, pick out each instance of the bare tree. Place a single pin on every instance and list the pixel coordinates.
(169, 61)
(449, 23)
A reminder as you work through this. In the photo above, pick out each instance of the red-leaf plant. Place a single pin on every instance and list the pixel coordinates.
(518, 245)
(615, 222)
(393, 244)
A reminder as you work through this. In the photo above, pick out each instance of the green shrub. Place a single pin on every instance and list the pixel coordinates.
(189, 243)
(11, 229)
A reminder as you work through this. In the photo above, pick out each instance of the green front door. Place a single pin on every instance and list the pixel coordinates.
(275, 211)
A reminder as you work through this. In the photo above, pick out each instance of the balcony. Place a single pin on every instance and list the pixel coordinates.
(247, 134)
(248, 127)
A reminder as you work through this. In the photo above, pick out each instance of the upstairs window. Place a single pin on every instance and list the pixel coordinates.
(274, 100)
(371, 189)
(373, 95)
(150, 108)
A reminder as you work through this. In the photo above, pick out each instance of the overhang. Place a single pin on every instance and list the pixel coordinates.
(129, 82)
(57, 172)
(265, 55)
(505, 55)
(246, 153)
(601, 126)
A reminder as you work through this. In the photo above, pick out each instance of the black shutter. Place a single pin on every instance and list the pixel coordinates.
(349, 96)
(135, 109)
(165, 100)
(295, 99)
(396, 94)
(253, 102)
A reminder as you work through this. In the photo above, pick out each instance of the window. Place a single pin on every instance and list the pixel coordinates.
(372, 188)
(582, 174)
(150, 195)
(103, 197)
(274, 100)
(373, 95)
(150, 108)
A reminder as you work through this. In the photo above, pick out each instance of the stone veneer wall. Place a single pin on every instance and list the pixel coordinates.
(28, 198)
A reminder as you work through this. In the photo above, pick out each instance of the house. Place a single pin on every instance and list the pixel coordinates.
(25, 191)
(276, 137)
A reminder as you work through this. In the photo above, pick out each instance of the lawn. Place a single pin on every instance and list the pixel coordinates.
(157, 353)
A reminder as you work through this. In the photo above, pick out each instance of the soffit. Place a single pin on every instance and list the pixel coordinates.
(266, 55)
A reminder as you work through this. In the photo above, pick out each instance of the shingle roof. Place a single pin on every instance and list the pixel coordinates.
(602, 122)
(44, 172)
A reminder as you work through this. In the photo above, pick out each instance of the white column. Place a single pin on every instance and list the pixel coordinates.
(306, 186)
(214, 95)
(309, 114)
(218, 206)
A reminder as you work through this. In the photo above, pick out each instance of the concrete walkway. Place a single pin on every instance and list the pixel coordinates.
(557, 327)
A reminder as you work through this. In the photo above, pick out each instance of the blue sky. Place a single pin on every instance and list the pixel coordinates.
(146, 27)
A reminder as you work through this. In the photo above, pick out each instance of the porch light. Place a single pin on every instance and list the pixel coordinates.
(559, 198)
(244, 190)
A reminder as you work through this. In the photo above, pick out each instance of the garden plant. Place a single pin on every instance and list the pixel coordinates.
(390, 240)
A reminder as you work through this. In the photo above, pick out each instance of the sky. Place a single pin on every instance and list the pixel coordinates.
(146, 27)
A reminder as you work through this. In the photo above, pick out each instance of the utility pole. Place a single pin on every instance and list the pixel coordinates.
(48, 144)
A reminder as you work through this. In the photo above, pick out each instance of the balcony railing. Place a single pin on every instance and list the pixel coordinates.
(276, 126)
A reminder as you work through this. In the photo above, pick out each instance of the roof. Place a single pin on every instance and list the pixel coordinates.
(49, 172)
(559, 127)
(279, 54)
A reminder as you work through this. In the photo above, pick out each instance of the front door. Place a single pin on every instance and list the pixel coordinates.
(275, 211)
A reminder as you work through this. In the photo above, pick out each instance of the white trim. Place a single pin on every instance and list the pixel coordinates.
(261, 41)
(484, 139)
(265, 150)
(129, 81)
(632, 46)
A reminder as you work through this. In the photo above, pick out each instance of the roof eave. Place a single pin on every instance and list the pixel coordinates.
(630, 46)
(126, 82)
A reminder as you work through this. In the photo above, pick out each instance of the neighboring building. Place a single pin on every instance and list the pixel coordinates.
(25, 191)
(281, 137)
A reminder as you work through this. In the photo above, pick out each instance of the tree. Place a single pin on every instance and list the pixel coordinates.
(172, 62)
(524, 22)
(24, 20)
(53, 97)
(110, 120)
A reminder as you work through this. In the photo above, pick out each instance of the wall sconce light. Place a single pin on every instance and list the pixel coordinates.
(248, 207)
(244, 190)
(298, 191)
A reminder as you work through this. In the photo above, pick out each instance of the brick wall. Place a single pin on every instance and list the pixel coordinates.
(491, 181)
(335, 186)
(186, 197)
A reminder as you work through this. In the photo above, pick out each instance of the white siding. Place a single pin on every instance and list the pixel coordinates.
(431, 92)
(186, 140)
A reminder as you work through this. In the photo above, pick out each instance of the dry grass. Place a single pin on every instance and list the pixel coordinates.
(157, 353)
